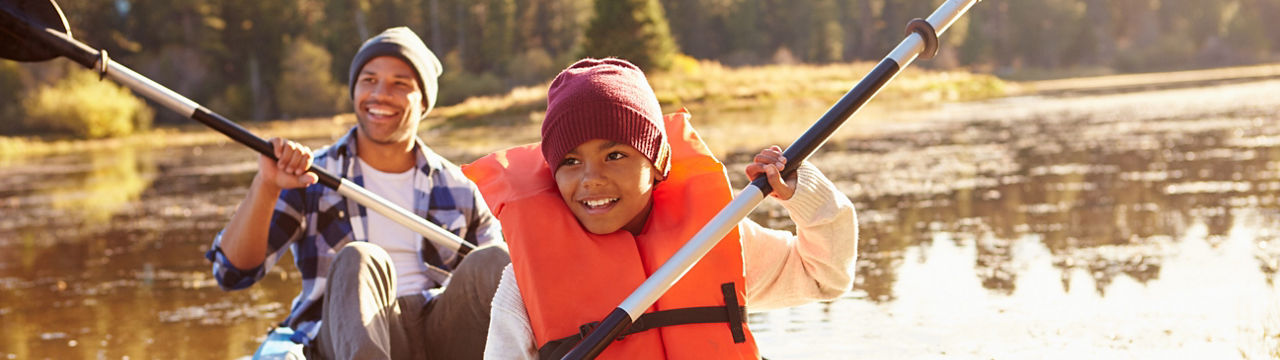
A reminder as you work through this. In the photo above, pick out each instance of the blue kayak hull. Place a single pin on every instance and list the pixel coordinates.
(278, 346)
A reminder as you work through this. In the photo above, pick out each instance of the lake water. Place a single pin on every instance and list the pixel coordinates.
(1130, 225)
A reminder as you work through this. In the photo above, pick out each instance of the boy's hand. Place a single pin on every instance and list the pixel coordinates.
(290, 171)
(771, 162)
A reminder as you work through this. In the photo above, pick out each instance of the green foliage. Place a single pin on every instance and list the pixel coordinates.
(83, 106)
(1246, 33)
(306, 87)
(531, 67)
(10, 105)
(184, 70)
(237, 56)
(748, 45)
(497, 33)
(254, 38)
(458, 85)
(1053, 32)
(235, 101)
(635, 30)
(1167, 53)
(826, 43)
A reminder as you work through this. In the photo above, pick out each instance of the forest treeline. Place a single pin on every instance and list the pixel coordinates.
(253, 59)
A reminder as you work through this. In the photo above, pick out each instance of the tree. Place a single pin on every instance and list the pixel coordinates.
(497, 31)
(254, 36)
(10, 106)
(305, 87)
(749, 41)
(863, 24)
(699, 26)
(826, 35)
(1049, 28)
(788, 25)
(635, 30)
(1246, 32)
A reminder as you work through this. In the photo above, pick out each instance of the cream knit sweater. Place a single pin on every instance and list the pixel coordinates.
(782, 269)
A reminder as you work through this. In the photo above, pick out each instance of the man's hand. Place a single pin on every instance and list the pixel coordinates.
(771, 162)
(290, 171)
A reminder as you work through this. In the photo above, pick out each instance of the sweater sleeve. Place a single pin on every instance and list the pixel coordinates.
(784, 269)
(510, 335)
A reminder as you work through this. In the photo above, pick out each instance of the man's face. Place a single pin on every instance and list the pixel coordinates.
(607, 185)
(388, 102)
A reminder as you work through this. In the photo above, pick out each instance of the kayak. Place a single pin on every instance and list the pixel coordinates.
(278, 346)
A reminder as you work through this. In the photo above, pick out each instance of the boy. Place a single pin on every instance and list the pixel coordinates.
(610, 193)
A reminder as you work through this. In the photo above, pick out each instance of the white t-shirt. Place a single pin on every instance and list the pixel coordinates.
(404, 245)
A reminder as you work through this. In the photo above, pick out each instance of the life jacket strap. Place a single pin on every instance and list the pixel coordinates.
(732, 313)
(737, 313)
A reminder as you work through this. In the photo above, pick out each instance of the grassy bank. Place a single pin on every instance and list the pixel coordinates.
(185, 135)
(475, 123)
(711, 85)
(735, 108)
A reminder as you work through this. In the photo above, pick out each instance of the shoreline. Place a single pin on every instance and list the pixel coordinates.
(518, 109)
(1120, 83)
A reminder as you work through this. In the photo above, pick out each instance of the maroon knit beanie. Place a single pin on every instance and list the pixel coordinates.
(606, 99)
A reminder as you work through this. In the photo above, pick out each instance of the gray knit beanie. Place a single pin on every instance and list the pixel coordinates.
(402, 43)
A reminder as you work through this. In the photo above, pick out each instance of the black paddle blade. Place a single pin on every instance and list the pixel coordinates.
(18, 18)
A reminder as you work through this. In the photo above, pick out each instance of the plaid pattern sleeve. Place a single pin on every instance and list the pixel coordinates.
(286, 226)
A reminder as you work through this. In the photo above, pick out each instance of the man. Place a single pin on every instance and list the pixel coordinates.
(369, 289)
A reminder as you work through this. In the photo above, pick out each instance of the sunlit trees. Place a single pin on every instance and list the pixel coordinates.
(635, 30)
(243, 58)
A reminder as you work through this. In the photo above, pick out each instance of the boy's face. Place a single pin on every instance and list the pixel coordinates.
(388, 102)
(607, 185)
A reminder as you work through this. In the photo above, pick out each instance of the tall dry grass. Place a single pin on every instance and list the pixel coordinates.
(718, 95)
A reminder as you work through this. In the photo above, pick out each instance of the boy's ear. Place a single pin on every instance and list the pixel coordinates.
(658, 177)
(663, 165)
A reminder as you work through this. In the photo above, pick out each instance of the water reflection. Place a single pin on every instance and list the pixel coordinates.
(100, 257)
(62, 197)
(1210, 302)
(1027, 235)
(115, 180)
(1097, 204)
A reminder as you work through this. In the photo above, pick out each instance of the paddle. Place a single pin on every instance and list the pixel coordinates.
(36, 30)
(921, 40)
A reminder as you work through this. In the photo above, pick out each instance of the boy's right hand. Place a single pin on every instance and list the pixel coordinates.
(770, 162)
(290, 171)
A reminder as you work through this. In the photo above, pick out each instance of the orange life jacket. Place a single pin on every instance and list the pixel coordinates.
(570, 278)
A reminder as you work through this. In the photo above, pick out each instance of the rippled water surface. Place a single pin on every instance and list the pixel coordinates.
(1117, 225)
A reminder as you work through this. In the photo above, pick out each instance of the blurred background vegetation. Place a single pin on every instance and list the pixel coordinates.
(285, 59)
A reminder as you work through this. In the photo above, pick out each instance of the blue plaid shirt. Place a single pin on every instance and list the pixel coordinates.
(315, 222)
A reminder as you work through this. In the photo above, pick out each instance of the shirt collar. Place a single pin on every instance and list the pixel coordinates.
(345, 149)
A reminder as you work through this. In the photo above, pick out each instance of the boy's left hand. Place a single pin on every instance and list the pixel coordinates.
(771, 162)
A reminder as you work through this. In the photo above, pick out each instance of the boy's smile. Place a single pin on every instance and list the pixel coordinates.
(599, 206)
(607, 185)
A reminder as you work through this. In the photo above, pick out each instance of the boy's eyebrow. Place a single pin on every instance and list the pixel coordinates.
(608, 144)
(603, 146)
